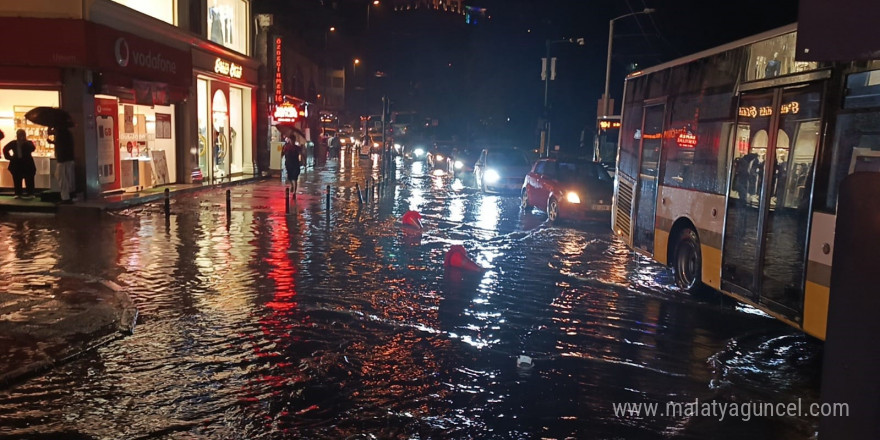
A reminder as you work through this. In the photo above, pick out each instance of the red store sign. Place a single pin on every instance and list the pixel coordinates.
(140, 58)
(63, 42)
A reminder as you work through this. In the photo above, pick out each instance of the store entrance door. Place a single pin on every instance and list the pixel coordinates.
(220, 152)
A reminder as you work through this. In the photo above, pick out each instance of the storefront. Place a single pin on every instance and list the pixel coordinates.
(121, 91)
(32, 76)
(141, 84)
(14, 103)
(225, 86)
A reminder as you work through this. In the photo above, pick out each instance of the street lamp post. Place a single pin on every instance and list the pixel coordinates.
(548, 67)
(608, 61)
(373, 3)
(328, 31)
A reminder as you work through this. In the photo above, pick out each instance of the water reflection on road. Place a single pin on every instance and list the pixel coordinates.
(312, 325)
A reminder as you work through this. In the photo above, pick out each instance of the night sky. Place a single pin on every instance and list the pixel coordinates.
(474, 77)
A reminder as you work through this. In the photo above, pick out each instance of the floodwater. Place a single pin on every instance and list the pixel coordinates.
(340, 324)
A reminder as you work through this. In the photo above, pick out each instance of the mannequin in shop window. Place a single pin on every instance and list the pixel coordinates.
(216, 22)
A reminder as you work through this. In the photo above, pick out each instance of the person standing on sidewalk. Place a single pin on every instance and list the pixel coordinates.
(293, 160)
(63, 140)
(21, 162)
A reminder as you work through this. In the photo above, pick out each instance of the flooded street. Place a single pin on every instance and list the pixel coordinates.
(341, 324)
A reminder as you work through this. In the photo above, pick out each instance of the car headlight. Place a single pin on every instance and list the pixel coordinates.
(419, 152)
(491, 176)
(342, 141)
(458, 164)
(572, 197)
(376, 144)
(438, 157)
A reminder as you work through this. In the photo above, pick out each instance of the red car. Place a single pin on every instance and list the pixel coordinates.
(568, 189)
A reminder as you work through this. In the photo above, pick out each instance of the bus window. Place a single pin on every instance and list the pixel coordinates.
(854, 130)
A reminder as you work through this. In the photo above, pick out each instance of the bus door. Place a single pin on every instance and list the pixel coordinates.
(649, 159)
(766, 228)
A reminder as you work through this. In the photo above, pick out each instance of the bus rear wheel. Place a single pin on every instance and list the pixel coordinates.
(687, 262)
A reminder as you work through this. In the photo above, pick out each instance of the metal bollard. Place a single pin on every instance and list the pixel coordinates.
(287, 200)
(328, 198)
(228, 204)
(167, 202)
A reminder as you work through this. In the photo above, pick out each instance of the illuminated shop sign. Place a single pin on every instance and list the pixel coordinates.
(764, 111)
(279, 83)
(224, 67)
(605, 125)
(686, 140)
(286, 112)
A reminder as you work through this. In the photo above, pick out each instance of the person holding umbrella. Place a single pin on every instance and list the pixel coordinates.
(21, 162)
(59, 123)
(63, 139)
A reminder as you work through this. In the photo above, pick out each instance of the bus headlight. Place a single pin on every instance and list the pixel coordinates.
(458, 164)
(491, 176)
(572, 197)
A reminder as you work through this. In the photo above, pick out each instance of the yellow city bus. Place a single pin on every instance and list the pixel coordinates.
(728, 168)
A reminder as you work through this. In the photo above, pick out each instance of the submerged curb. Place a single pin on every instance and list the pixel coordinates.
(47, 320)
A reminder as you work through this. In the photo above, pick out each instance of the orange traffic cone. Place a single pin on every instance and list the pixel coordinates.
(457, 258)
(412, 219)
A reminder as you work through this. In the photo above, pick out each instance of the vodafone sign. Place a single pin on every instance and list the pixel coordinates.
(138, 57)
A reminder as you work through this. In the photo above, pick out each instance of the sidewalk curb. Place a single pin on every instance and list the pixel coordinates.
(136, 201)
(48, 339)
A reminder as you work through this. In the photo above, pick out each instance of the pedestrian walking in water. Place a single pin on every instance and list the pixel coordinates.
(62, 137)
(292, 154)
(21, 162)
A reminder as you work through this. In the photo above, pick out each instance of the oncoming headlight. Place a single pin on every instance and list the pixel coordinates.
(458, 164)
(491, 176)
(375, 144)
(572, 197)
(419, 152)
(438, 157)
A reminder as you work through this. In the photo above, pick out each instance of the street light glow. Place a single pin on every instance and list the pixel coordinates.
(357, 61)
(332, 29)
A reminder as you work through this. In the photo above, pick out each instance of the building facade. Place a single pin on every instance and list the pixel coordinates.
(160, 92)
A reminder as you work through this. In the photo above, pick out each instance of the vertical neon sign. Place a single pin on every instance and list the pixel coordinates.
(279, 93)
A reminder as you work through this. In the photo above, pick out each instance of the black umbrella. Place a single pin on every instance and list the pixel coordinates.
(287, 129)
(49, 116)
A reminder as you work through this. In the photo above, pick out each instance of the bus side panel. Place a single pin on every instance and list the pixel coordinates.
(817, 289)
(706, 212)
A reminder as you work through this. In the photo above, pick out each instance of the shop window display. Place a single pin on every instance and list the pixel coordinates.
(13, 105)
(227, 24)
(224, 121)
(147, 148)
